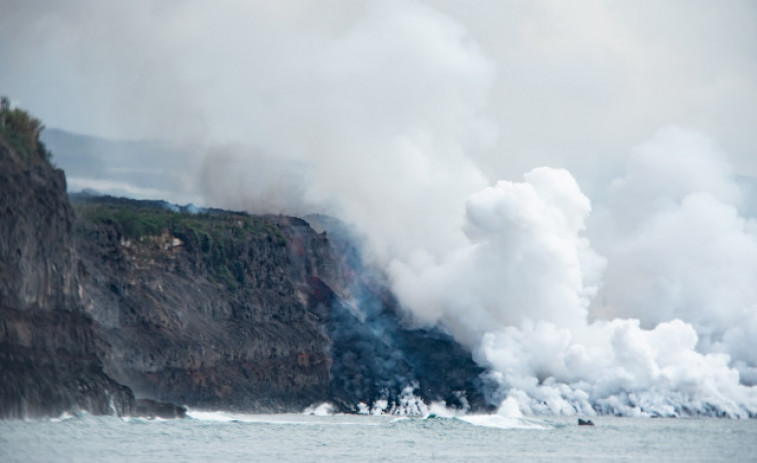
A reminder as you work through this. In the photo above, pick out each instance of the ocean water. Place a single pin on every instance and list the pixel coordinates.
(217, 436)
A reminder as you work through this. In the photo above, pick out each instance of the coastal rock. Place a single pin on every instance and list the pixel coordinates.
(50, 351)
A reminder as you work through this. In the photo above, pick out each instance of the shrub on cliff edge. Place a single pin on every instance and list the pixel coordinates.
(22, 131)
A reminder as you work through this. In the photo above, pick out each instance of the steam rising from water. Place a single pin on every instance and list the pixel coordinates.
(638, 300)
(671, 330)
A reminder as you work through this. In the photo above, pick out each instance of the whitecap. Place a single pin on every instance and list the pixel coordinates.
(323, 409)
(504, 422)
(282, 419)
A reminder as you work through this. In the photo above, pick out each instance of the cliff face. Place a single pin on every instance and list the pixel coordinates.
(258, 313)
(210, 311)
(49, 349)
(113, 298)
(35, 235)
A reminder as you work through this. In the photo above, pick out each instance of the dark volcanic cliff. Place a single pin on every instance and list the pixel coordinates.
(50, 350)
(113, 298)
(206, 309)
(227, 310)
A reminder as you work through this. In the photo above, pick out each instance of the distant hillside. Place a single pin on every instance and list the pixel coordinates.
(141, 169)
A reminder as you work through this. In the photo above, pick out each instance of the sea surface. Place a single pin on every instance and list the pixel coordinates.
(217, 436)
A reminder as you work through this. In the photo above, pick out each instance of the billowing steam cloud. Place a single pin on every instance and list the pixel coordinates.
(519, 292)
(404, 118)
(678, 247)
(522, 260)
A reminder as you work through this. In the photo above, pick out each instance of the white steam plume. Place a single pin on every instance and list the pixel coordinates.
(519, 291)
(678, 247)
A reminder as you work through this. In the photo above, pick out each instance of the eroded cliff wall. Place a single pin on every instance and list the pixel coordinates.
(209, 311)
(50, 351)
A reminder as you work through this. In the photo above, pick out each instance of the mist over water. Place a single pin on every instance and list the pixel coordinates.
(518, 174)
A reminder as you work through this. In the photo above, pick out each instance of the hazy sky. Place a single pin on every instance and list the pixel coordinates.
(565, 84)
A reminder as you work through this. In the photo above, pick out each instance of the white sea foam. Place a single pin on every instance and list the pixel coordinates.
(504, 422)
(65, 416)
(281, 419)
(508, 416)
(407, 404)
(323, 409)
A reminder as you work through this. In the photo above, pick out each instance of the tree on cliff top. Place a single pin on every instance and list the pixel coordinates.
(22, 132)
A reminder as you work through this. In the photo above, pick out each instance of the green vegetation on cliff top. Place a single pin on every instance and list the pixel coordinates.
(216, 237)
(22, 131)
